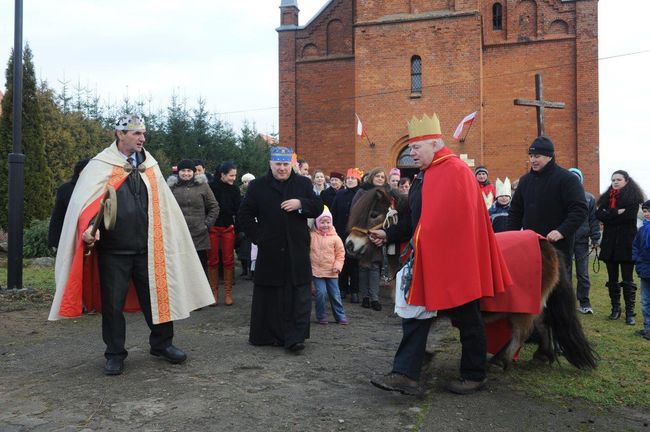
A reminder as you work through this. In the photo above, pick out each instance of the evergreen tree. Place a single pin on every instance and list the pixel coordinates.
(38, 176)
(254, 152)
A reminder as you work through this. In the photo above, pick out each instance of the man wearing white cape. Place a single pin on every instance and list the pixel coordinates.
(147, 261)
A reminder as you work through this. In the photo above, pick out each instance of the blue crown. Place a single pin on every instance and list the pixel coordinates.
(281, 154)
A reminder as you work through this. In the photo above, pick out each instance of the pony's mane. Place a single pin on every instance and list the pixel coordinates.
(360, 211)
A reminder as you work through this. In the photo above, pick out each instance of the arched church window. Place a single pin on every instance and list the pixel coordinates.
(416, 74)
(497, 16)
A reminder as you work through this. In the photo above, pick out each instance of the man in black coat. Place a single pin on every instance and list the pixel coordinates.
(549, 200)
(63, 194)
(274, 216)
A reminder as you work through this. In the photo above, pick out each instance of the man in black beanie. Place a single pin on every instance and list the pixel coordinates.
(549, 200)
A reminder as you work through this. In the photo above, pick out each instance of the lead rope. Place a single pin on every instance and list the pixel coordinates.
(391, 218)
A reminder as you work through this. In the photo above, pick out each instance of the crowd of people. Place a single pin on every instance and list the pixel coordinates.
(288, 228)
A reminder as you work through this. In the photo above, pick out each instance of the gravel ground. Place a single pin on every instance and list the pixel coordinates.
(51, 379)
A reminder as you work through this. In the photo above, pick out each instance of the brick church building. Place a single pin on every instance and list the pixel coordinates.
(387, 60)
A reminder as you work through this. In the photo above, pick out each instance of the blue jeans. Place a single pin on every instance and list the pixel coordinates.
(328, 287)
(645, 302)
(369, 281)
(581, 257)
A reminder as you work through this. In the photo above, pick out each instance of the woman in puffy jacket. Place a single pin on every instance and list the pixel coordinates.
(197, 203)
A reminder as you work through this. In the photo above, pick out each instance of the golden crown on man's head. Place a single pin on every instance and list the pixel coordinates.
(424, 128)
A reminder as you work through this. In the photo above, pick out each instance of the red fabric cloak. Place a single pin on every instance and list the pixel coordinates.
(457, 259)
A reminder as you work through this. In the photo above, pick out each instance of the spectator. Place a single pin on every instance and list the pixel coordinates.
(590, 228)
(404, 185)
(63, 194)
(222, 233)
(394, 178)
(499, 210)
(641, 256)
(198, 205)
(487, 188)
(617, 208)
(349, 276)
(369, 274)
(549, 200)
(327, 256)
(319, 182)
(336, 183)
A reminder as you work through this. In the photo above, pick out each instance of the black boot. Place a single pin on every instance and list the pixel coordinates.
(629, 295)
(615, 298)
(244, 267)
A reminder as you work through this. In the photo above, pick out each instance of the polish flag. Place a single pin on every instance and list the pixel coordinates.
(360, 130)
(466, 121)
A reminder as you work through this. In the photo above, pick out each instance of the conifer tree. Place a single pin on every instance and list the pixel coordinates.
(38, 176)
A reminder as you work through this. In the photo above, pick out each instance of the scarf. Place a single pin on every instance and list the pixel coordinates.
(613, 194)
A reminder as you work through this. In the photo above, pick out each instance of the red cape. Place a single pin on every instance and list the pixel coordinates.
(457, 259)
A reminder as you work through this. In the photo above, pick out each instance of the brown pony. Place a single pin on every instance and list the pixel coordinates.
(557, 325)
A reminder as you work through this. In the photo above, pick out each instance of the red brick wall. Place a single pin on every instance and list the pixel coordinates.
(451, 60)
(466, 67)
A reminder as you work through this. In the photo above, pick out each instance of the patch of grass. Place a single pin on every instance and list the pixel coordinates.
(40, 285)
(623, 374)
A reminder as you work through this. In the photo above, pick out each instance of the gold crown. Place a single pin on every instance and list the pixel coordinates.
(427, 127)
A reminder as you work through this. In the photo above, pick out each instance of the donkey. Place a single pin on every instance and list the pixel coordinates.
(557, 322)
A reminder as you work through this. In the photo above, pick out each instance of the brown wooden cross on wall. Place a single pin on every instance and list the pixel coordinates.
(539, 103)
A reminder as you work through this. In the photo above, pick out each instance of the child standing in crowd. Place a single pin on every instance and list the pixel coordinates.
(327, 255)
(641, 257)
(487, 188)
(499, 210)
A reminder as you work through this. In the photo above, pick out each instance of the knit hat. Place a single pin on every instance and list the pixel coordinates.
(481, 169)
(338, 175)
(247, 177)
(646, 205)
(394, 171)
(577, 172)
(280, 154)
(186, 164)
(542, 146)
(326, 214)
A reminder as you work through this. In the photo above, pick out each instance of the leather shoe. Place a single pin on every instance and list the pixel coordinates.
(296, 348)
(365, 303)
(629, 320)
(616, 314)
(171, 354)
(396, 382)
(114, 366)
(462, 386)
(375, 305)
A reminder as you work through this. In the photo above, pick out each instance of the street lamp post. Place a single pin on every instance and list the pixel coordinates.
(16, 163)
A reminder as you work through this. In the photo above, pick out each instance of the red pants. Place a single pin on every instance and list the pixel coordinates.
(222, 238)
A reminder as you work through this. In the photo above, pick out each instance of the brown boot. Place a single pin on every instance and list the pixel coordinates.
(213, 277)
(463, 386)
(227, 285)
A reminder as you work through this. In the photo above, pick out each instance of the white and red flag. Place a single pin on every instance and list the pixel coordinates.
(464, 122)
(360, 130)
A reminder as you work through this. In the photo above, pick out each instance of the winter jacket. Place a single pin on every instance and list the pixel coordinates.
(63, 194)
(326, 254)
(229, 198)
(328, 196)
(590, 228)
(198, 205)
(499, 217)
(641, 255)
(549, 199)
(282, 237)
(619, 230)
(341, 210)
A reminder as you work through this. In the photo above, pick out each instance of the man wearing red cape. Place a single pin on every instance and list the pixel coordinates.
(456, 262)
(147, 261)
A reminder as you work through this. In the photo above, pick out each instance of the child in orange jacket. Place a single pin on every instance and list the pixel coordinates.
(327, 255)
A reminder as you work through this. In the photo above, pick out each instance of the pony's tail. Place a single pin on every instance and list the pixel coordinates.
(561, 317)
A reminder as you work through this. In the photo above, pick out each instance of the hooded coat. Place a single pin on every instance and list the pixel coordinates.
(198, 205)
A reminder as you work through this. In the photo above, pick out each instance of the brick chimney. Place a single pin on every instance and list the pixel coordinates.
(289, 13)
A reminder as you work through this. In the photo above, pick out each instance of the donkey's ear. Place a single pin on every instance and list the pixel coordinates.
(380, 193)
